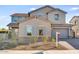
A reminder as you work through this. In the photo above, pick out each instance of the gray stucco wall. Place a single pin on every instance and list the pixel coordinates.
(36, 25)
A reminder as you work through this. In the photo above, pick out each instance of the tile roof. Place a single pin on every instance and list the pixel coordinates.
(63, 25)
(13, 25)
(19, 14)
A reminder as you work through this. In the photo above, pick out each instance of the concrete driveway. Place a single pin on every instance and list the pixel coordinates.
(73, 42)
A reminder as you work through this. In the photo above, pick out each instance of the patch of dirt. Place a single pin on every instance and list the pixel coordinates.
(40, 46)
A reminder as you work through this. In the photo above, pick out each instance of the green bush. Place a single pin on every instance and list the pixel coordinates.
(1, 39)
(6, 45)
(9, 34)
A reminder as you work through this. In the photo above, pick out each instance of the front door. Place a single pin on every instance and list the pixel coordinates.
(73, 34)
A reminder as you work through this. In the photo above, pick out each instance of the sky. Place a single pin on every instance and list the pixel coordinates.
(7, 10)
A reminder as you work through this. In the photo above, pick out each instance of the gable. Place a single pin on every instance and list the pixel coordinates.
(45, 9)
(75, 18)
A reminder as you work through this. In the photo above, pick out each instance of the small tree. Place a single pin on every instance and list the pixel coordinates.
(53, 39)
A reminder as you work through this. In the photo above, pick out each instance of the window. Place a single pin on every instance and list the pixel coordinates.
(40, 32)
(56, 16)
(76, 22)
(29, 30)
(14, 19)
(17, 18)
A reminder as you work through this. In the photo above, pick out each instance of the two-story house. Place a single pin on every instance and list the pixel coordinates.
(15, 19)
(44, 21)
(75, 22)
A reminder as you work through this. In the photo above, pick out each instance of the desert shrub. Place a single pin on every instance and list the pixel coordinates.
(21, 43)
(35, 39)
(45, 39)
(6, 45)
(53, 39)
(9, 34)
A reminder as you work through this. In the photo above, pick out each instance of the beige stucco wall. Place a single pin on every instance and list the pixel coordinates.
(75, 19)
(75, 27)
(36, 25)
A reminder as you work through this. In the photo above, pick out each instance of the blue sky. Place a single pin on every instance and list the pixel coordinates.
(7, 10)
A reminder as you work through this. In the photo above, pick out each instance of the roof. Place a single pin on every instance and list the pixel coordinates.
(13, 25)
(48, 7)
(73, 18)
(24, 14)
(62, 25)
(19, 14)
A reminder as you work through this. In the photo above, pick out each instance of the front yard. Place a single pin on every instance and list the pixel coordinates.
(45, 44)
(39, 46)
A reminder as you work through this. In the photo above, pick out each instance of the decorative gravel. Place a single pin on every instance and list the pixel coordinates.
(40, 46)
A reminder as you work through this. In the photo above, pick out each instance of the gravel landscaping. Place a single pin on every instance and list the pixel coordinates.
(39, 46)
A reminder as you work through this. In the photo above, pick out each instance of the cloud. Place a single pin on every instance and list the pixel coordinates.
(31, 9)
(74, 8)
(12, 12)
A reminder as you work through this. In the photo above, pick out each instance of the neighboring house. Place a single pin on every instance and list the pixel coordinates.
(44, 21)
(75, 22)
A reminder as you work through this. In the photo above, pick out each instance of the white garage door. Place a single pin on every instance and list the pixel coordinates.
(63, 32)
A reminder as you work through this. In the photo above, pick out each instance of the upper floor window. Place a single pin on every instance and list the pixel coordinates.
(14, 19)
(56, 16)
(76, 22)
(17, 18)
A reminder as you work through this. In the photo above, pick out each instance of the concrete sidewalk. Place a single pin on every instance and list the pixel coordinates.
(39, 52)
(61, 52)
(20, 51)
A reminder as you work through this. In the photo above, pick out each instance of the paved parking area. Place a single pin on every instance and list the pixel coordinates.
(73, 42)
